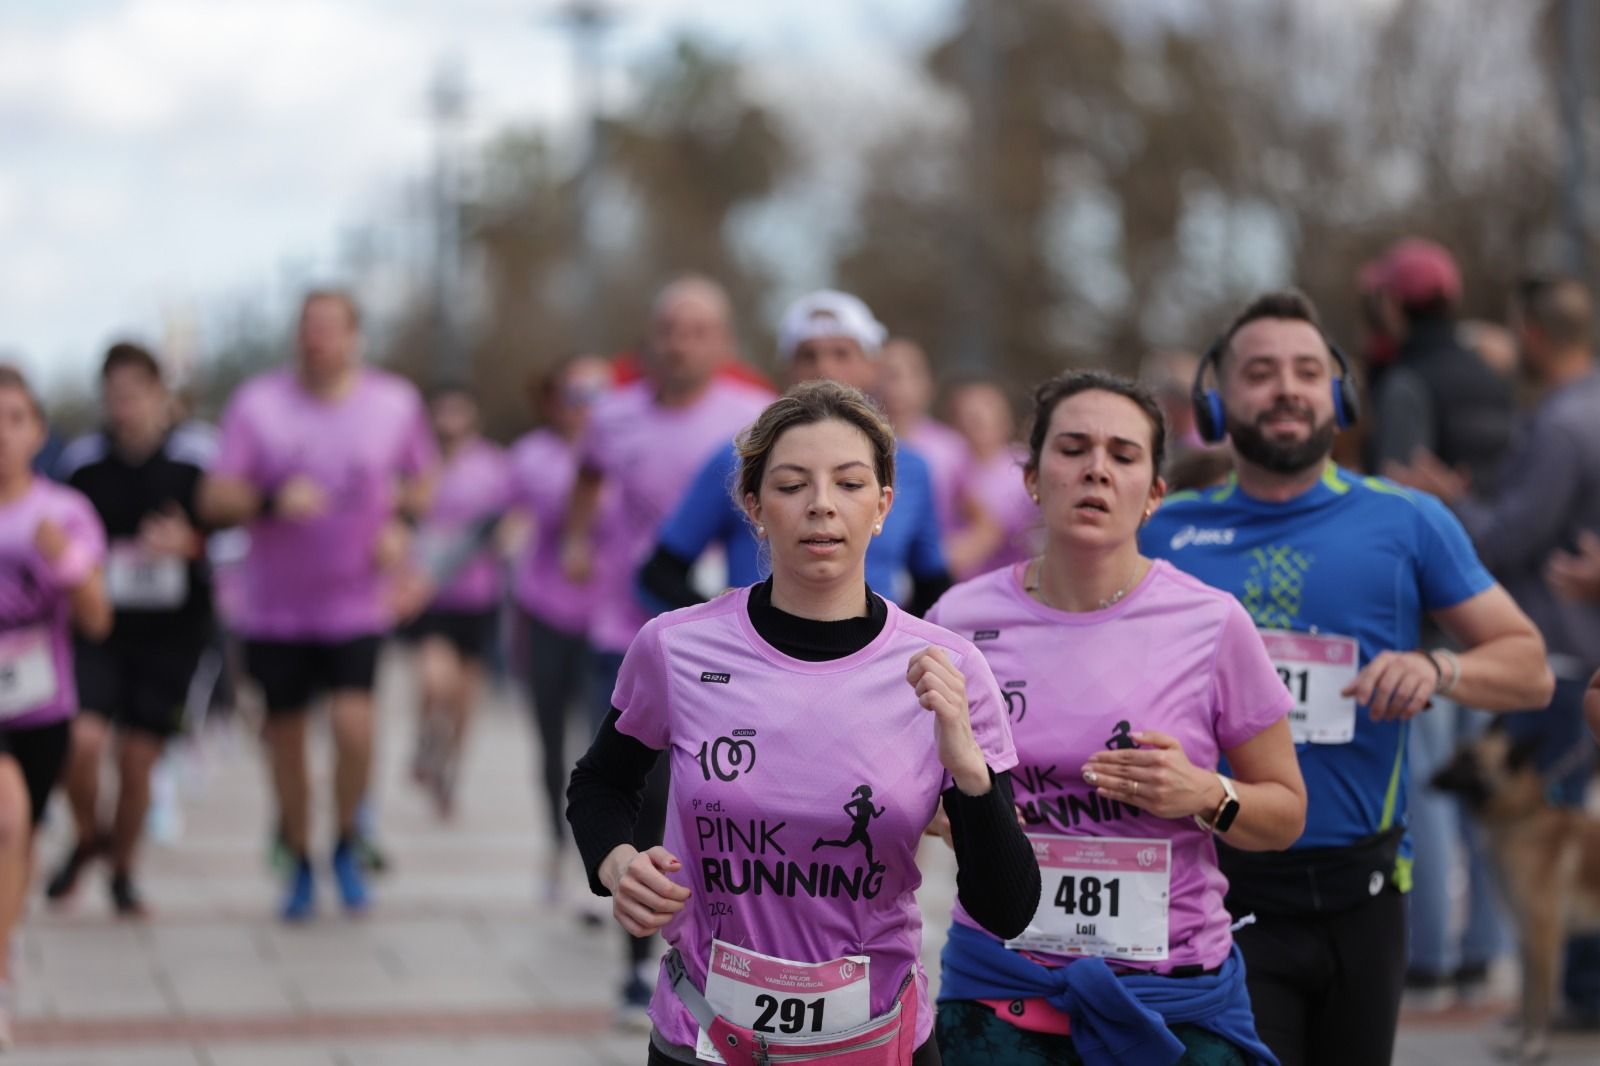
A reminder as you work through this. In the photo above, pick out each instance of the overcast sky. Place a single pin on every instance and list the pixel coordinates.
(162, 156)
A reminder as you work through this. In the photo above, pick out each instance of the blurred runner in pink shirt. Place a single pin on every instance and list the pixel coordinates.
(51, 550)
(982, 413)
(455, 633)
(643, 445)
(906, 391)
(327, 462)
(556, 612)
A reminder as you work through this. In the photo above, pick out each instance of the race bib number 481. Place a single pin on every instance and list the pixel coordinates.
(781, 997)
(1316, 668)
(1102, 896)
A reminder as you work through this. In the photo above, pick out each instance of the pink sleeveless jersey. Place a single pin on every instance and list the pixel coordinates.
(1175, 656)
(36, 680)
(799, 790)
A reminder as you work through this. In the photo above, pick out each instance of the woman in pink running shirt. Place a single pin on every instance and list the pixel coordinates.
(51, 549)
(812, 729)
(456, 632)
(981, 411)
(556, 611)
(1127, 682)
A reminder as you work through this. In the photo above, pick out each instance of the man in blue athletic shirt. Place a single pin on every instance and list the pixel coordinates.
(1338, 571)
(828, 335)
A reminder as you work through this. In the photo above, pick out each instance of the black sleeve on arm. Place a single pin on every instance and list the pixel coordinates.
(997, 876)
(926, 590)
(665, 579)
(605, 794)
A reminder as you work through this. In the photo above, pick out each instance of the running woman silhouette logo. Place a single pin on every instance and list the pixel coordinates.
(1120, 740)
(861, 812)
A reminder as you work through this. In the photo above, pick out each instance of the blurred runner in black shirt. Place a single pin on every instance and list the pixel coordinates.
(141, 473)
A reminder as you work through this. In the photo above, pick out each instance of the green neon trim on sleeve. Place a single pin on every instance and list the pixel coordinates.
(1181, 496)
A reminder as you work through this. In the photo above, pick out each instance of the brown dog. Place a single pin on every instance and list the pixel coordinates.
(1548, 861)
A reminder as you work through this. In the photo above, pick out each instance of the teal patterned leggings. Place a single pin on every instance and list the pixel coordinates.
(971, 1034)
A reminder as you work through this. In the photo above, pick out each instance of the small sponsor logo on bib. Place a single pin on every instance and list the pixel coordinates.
(986, 634)
(712, 677)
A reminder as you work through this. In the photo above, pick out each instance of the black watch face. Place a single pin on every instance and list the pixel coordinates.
(1230, 811)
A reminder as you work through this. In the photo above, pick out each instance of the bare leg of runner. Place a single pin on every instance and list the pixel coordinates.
(137, 753)
(15, 837)
(352, 740)
(82, 786)
(286, 745)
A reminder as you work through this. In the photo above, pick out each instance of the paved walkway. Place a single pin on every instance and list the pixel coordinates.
(460, 962)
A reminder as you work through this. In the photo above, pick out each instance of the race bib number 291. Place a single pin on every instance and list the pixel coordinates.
(781, 997)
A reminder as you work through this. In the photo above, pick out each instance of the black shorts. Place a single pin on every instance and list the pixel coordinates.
(142, 685)
(41, 751)
(471, 633)
(291, 672)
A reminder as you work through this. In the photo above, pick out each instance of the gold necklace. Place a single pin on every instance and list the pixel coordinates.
(1109, 601)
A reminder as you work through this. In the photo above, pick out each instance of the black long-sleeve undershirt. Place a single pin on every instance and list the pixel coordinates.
(997, 877)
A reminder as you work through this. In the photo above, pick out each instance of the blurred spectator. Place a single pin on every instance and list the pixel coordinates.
(1495, 345)
(1436, 396)
(1439, 395)
(1550, 500)
(1169, 374)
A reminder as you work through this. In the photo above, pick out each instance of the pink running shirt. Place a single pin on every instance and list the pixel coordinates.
(949, 459)
(317, 580)
(543, 467)
(648, 455)
(799, 790)
(1175, 656)
(474, 484)
(996, 484)
(37, 687)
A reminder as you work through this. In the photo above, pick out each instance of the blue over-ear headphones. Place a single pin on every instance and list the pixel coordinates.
(1211, 422)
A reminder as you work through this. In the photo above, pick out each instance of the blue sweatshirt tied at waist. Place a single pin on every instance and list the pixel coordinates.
(1116, 1021)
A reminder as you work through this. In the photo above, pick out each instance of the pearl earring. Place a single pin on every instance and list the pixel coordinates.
(761, 531)
(1036, 497)
(878, 528)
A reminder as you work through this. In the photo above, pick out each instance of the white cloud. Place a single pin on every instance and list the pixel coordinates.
(165, 152)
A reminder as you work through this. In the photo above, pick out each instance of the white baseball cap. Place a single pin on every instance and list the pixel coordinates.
(829, 313)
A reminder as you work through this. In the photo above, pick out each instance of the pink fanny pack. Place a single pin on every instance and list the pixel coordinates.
(887, 1040)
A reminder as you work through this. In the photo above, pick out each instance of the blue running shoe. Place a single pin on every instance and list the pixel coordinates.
(352, 879)
(300, 903)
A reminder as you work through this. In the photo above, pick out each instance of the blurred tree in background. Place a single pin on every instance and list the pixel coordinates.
(1071, 183)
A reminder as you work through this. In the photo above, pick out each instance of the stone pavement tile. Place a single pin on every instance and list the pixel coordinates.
(621, 1051)
(110, 996)
(232, 994)
(167, 1055)
(278, 1053)
(1477, 1044)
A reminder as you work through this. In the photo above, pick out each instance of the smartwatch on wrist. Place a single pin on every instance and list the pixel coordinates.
(1222, 819)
